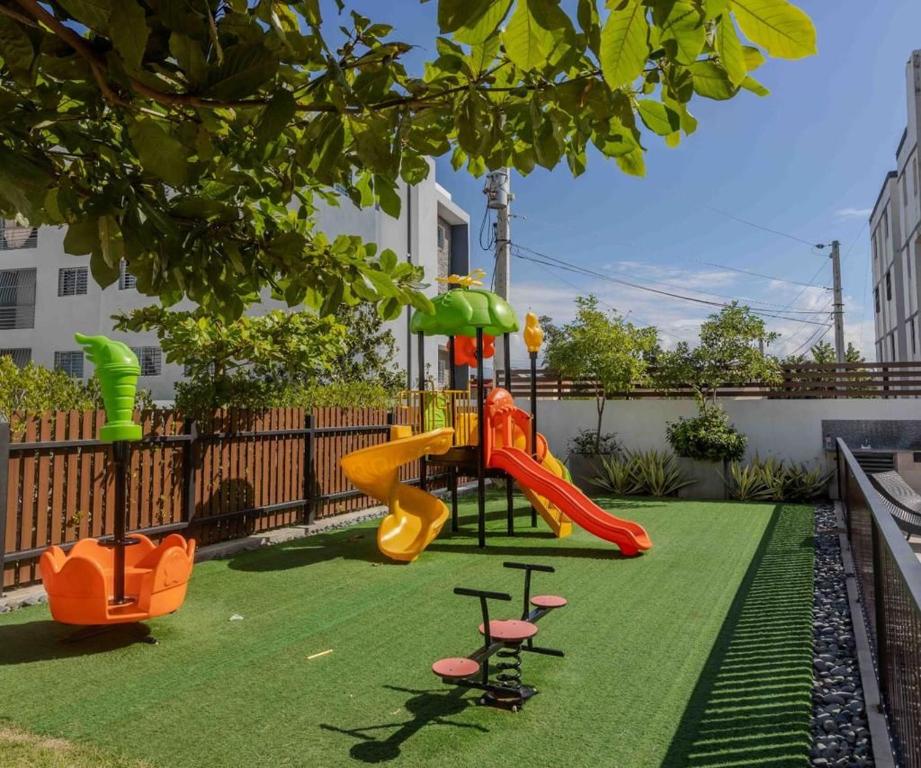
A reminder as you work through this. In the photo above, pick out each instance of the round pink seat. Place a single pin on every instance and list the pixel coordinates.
(548, 601)
(510, 630)
(455, 667)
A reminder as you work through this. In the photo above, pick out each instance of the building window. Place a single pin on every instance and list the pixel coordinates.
(886, 224)
(908, 262)
(873, 244)
(914, 163)
(892, 346)
(21, 356)
(904, 181)
(126, 280)
(911, 334)
(72, 281)
(150, 359)
(888, 285)
(14, 236)
(17, 299)
(69, 362)
(876, 298)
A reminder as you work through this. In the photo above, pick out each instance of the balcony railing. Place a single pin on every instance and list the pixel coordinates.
(889, 575)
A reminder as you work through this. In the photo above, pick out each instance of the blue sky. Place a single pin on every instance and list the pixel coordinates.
(807, 160)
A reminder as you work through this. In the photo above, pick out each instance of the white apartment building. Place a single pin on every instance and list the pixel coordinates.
(895, 239)
(46, 294)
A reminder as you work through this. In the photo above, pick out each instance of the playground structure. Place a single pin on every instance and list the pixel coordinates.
(482, 436)
(126, 579)
(507, 639)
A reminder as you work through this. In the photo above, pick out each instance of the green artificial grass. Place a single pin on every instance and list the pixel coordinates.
(696, 653)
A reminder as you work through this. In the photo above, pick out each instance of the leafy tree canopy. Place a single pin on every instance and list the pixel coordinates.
(730, 352)
(600, 347)
(194, 139)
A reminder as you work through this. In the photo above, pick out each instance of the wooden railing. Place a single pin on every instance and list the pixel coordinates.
(805, 381)
(239, 473)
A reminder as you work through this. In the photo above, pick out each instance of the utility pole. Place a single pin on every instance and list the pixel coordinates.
(498, 197)
(838, 301)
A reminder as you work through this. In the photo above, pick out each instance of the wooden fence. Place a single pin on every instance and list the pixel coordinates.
(805, 381)
(236, 475)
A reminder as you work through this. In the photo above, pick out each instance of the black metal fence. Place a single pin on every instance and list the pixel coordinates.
(889, 575)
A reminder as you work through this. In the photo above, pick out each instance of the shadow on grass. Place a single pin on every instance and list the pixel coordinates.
(426, 707)
(45, 639)
(752, 703)
(361, 544)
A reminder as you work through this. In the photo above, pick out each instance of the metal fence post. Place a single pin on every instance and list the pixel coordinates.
(310, 512)
(4, 478)
(879, 608)
(189, 459)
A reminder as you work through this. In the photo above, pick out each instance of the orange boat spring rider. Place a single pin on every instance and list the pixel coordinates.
(81, 583)
(128, 579)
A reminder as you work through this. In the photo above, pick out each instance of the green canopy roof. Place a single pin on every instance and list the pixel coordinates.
(460, 311)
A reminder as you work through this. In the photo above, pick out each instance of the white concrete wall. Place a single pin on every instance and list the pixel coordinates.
(786, 429)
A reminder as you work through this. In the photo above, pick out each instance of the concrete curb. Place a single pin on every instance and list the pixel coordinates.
(35, 594)
(876, 720)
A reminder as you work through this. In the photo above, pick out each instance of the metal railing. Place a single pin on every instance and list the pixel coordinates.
(889, 575)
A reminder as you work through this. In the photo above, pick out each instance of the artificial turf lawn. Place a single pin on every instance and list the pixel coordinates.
(697, 653)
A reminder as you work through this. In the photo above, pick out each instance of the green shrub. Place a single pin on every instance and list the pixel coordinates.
(618, 475)
(776, 480)
(708, 436)
(588, 443)
(652, 473)
(658, 474)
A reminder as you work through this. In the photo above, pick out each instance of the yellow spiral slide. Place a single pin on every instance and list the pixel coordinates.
(415, 517)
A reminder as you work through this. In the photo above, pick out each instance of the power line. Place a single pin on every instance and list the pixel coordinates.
(762, 227)
(760, 274)
(560, 264)
(811, 341)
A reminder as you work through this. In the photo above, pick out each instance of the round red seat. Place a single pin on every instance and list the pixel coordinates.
(548, 601)
(510, 630)
(455, 667)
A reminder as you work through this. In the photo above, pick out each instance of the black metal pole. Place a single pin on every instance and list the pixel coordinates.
(310, 510)
(120, 454)
(452, 472)
(481, 437)
(533, 356)
(189, 461)
(421, 378)
(509, 483)
(4, 475)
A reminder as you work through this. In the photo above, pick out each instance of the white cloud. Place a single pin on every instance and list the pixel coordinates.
(853, 213)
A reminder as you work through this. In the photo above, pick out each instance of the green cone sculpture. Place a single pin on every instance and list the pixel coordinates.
(117, 369)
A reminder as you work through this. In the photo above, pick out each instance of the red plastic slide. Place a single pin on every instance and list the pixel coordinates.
(630, 537)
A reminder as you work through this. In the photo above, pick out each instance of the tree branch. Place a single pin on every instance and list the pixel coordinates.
(76, 42)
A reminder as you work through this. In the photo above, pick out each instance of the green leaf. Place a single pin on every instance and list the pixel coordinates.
(92, 13)
(712, 81)
(111, 244)
(730, 51)
(245, 69)
(778, 26)
(478, 30)
(753, 57)
(276, 116)
(623, 44)
(657, 117)
(103, 273)
(534, 32)
(159, 152)
(684, 26)
(82, 237)
(16, 50)
(454, 14)
(188, 54)
(750, 84)
(129, 32)
(632, 163)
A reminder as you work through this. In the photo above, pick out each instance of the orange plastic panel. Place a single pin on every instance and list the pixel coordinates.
(80, 584)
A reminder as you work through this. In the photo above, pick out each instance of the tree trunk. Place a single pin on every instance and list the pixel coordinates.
(599, 405)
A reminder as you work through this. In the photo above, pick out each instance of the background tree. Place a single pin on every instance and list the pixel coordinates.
(193, 139)
(824, 352)
(602, 348)
(368, 350)
(728, 353)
